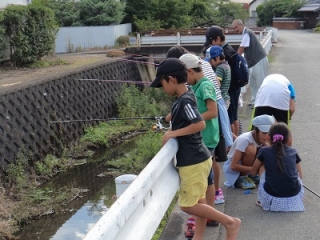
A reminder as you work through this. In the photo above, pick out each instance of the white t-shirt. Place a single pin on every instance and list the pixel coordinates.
(241, 143)
(245, 42)
(274, 92)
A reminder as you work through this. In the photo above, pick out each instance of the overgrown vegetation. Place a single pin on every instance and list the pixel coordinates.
(122, 41)
(25, 177)
(275, 8)
(145, 15)
(317, 28)
(149, 15)
(31, 32)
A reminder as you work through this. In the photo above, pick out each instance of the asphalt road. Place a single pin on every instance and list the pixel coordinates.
(297, 56)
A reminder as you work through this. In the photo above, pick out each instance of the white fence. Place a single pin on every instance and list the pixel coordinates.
(192, 39)
(79, 39)
(139, 210)
(73, 39)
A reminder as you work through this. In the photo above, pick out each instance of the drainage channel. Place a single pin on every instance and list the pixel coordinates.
(75, 221)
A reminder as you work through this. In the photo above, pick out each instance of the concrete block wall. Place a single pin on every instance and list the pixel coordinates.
(26, 114)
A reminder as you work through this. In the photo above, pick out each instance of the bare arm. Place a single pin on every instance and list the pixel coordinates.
(292, 107)
(212, 111)
(256, 166)
(190, 129)
(240, 50)
(299, 170)
(168, 117)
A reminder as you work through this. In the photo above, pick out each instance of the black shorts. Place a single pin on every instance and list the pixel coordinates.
(234, 103)
(279, 115)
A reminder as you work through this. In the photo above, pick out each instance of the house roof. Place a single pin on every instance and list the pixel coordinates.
(310, 8)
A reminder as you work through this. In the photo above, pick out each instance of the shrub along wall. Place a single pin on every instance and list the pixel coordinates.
(26, 114)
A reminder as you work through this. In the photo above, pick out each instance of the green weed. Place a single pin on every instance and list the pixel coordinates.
(147, 145)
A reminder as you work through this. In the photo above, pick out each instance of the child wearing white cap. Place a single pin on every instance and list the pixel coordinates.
(243, 152)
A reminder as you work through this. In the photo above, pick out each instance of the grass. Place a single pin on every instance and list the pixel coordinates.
(48, 63)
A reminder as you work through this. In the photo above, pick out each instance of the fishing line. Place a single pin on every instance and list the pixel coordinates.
(115, 80)
(136, 61)
(310, 190)
(105, 119)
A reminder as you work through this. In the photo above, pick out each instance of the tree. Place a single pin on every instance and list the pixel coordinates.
(227, 12)
(31, 31)
(67, 12)
(3, 39)
(163, 14)
(277, 8)
(101, 12)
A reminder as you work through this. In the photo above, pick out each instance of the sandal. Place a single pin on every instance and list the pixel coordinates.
(258, 203)
(191, 226)
(212, 223)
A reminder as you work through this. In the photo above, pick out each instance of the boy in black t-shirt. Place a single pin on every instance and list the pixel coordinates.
(193, 158)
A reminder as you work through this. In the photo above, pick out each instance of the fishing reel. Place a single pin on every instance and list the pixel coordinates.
(157, 126)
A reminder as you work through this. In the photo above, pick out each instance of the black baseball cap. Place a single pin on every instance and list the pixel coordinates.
(169, 65)
(212, 33)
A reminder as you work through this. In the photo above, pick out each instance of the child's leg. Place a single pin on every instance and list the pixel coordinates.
(210, 193)
(249, 157)
(216, 173)
(200, 224)
(205, 211)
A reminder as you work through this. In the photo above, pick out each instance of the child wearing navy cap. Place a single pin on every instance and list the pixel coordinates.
(193, 157)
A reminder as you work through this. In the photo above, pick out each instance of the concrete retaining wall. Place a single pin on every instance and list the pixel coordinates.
(25, 114)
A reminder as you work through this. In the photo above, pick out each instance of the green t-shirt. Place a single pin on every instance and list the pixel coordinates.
(204, 90)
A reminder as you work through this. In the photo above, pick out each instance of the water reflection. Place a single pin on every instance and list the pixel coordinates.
(81, 214)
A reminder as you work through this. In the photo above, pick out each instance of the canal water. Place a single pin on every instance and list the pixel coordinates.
(82, 213)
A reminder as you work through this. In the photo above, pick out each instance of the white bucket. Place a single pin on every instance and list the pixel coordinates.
(123, 182)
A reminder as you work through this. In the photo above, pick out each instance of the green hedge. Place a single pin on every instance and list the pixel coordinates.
(31, 31)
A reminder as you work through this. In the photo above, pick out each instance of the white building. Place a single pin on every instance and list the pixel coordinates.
(4, 3)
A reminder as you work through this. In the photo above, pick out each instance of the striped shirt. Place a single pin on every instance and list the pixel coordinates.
(209, 73)
(224, 76)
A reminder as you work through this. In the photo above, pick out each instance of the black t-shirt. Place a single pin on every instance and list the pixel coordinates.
(280, 184)
(229, 52)
(191, 147)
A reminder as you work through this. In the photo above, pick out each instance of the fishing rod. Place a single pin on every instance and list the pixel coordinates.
(310, 190)
(136, 61)
(106, 119)
(155, 127)
(115, 80)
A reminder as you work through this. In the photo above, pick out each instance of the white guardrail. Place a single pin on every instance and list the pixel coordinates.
(195, 39)
(140, 208)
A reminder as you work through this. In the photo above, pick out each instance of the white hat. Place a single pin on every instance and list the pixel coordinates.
(190, 60)
(263, 122)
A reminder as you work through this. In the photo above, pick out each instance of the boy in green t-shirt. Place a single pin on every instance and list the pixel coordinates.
(193, 157)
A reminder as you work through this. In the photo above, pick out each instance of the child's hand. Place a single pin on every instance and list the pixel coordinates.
(166, 136)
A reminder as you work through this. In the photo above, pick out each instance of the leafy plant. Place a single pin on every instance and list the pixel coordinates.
(147, 145)
(276, 8)
(31, 31)
(122, 41)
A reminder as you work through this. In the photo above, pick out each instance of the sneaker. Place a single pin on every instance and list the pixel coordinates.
(190, 228)
(219, 199)
(245, 182)
(255, 179)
